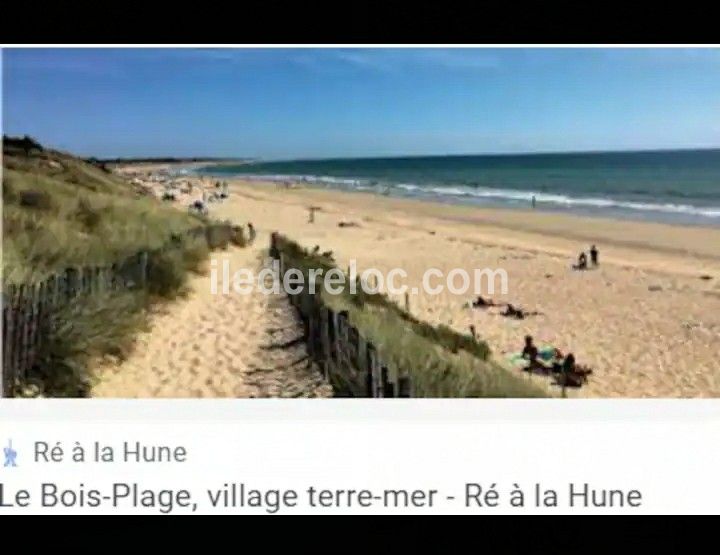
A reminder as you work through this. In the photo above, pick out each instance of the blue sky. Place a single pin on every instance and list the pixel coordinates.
(300, 103)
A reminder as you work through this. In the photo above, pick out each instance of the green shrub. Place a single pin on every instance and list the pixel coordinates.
(39, 200)
(167, 273)
(88, 217)
(88, 327)
(218, 236)
(195, 253)
(237, 236)
(9, 194)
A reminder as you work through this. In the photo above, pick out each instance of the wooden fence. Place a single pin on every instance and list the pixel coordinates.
(27, 307)
(350, 363)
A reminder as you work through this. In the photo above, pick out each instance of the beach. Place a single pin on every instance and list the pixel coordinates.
(647, 320)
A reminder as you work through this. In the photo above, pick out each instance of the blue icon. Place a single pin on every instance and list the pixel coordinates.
(10, 456)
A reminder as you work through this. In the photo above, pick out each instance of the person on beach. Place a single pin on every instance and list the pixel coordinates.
(568, 365)
(594, 255)
(483, 303)
(530, 351)
(582, 262)
(533, 202)
(532, 354)
(512, 312)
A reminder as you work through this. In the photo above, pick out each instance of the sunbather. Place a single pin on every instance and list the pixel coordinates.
(482, 303)
(512, 312)
(571, 374)
(582, 262)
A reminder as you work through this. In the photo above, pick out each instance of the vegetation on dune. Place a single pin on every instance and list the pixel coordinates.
(61, 212)
(91, 328)
(440, 361)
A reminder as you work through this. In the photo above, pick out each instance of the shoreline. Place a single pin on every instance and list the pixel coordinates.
(697, 243)
(618, 213)
(613, 190)
(527, 227)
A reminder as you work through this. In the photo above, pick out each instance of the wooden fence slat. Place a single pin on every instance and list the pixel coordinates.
(336, 350)
(143, 268)
(34, 322)
(22, 345)
(387, 387)
(325, 340)
(15, 339)
(371, 359)
(20, 332)
(404, 387)
(7, 369)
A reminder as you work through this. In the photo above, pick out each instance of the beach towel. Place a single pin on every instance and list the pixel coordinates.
(546, 353)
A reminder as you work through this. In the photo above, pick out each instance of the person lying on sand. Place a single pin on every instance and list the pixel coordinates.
(570, 374)
(582, 262)
(483, 303)
(518, 313)
(535, 363)
(512, 312)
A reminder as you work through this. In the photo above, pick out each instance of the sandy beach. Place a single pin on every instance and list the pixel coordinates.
(647, 320)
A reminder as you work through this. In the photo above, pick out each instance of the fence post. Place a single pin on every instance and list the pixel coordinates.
(404, 386)
(7, 368)
(370, 371)
(336, 341)
(325, 340)
(343, 324)
(71, 278)
(49, 291)
(143, 268)
(311, 326)
(273, 244)
(58, 291)
(86, 280)
(34, 323)
(26, 308)
(388, 388)
(17, 331)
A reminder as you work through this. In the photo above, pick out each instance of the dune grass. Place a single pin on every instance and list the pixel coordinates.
(61, 212)
(440, 361)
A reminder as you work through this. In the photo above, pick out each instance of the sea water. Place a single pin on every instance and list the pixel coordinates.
(681, 186)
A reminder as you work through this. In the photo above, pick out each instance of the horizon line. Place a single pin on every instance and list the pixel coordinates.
(488, 154)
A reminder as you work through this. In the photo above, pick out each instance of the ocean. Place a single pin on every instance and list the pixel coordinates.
(668, 186)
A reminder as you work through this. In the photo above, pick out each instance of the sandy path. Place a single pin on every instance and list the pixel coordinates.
(218, 345)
